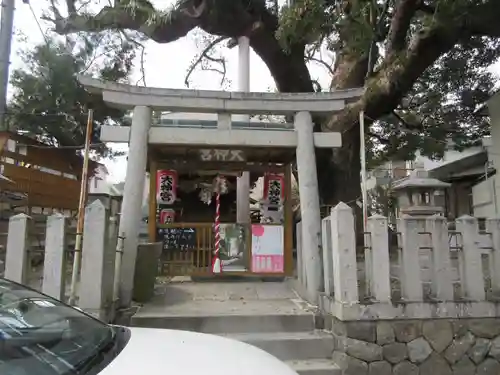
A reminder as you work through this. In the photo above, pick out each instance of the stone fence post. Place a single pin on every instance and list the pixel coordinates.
(472, 278)
(442, 282)
(96, 281)
(345, 278)
(17, 262)
(493, 227)
(380, 264)
(54, 267)
(411, 280)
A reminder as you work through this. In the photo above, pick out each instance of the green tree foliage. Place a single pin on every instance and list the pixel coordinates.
(422, 63)
(48, 101)
(382, 201)
(441, 106)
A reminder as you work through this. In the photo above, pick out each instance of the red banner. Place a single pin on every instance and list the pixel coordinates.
(166, 186)
(274, 189)
(167, 216)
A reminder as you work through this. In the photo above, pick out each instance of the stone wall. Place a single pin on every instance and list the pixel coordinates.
(413, 347)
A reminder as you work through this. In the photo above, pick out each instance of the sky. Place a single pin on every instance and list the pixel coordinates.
(165, 64)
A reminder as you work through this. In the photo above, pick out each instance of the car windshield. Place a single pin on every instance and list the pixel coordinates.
(42, 336)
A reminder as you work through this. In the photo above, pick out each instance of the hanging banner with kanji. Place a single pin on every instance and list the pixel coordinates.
(274, 189)
(166, 186)
(167, 216)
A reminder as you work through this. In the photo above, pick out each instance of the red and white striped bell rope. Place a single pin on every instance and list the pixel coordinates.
(216, 262)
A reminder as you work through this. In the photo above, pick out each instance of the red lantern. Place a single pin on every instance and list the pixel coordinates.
(167, 216)
(166, 187)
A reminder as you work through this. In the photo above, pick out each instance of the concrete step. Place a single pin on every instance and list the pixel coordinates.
(228, 324)
(315, 367)
(289, 346)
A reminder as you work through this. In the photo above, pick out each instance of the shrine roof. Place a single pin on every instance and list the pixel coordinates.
(420, 179)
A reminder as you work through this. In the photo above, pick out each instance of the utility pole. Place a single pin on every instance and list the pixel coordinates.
(6, 30)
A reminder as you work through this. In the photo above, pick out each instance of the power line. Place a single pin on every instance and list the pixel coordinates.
(37, 21)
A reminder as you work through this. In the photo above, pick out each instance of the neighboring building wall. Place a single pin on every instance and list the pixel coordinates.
(459, 200)
(448, 157)
(395, 169)
(462, 198)
(387, 173)
(483, 199)
(98, 183)
(45, 177)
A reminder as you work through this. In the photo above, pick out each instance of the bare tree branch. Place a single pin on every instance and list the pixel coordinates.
(85, 4)
(142, 59)
(317, 86)
(95, 56)
(143, 71)
(316, 49)
(204, 55)
(323, 63)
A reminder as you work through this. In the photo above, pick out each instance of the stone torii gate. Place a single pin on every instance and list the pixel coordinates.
(141, 134)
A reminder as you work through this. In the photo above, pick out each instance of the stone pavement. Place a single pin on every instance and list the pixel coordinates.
(181, 297)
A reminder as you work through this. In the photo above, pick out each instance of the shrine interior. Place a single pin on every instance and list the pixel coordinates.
(183, 211)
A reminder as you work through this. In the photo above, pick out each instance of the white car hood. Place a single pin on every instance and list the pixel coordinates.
(171, 352)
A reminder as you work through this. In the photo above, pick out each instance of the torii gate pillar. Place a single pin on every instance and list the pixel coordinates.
(309, 204)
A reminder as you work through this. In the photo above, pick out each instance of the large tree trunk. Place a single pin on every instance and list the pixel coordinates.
(339, 176)
(339, 171)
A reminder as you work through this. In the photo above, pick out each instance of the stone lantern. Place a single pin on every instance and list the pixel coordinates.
(420, 195)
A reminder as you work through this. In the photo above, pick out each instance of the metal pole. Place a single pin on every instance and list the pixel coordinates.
(77, 257)
(364, 198)
(364, 193)
(118, 268)
(6, 28)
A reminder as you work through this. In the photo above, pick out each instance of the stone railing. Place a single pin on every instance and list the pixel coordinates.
(428, 304)
(431, 266)
(95, 287)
